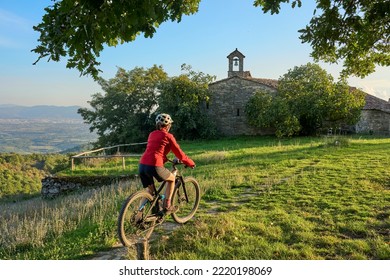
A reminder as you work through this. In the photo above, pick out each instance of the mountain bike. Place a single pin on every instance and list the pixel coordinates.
(141, 211)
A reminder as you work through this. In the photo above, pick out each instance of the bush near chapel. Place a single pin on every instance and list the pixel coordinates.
(308, 100)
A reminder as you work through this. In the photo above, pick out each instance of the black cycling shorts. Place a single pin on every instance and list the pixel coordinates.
(148, 172)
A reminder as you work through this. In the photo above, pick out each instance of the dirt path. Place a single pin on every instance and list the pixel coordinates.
(118, 252)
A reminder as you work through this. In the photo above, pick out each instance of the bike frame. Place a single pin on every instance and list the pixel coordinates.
(137, 219)
(179, 178)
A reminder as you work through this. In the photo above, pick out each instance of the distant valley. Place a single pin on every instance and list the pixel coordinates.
(39, 112)
(42, 129)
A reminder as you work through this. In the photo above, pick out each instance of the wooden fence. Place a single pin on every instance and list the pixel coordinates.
(108, 152)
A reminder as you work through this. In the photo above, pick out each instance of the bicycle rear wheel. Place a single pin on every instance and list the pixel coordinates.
(133, 223)
(186, 209)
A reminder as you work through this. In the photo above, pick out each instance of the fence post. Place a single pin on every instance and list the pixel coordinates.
(123, 163)
(72, 163)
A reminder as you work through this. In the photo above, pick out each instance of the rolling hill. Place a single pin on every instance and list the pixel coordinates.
(42, 129)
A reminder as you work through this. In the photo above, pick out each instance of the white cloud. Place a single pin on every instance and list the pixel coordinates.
(11, 20)
(13, 30)
(377, 83)
(377, 87)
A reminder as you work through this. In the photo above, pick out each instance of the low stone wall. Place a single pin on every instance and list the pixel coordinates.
(53, 187)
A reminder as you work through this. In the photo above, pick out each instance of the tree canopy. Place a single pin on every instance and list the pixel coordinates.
(182, 97)
(354, 31)
(21, 175)
(121, 115)
(126, 111)
(307, 101)
(80, 29)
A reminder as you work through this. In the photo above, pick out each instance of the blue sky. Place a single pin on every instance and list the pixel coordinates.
(270, 44)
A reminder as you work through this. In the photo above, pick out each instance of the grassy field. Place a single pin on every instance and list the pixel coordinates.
(262, 198)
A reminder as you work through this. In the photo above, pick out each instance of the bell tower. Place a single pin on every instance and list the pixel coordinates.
(236, 64)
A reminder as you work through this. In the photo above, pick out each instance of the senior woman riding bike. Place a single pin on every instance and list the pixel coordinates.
(160, 143)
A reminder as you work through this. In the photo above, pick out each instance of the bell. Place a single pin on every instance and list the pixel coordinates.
(235, 61)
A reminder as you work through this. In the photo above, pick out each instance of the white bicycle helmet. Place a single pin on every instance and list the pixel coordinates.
(163, 119)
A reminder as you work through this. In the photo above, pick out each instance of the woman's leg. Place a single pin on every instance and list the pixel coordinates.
(151, 189)
(169, 190)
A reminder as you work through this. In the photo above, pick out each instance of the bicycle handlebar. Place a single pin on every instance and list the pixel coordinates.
(176, 161)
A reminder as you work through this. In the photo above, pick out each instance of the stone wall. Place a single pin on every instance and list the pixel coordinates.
(55, 186)
(227, 105)
(374, 121)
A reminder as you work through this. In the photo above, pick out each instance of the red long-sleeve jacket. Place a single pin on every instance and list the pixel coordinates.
(160, 143)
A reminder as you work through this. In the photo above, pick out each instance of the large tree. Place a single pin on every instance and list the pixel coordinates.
(307, 101)
(126, 111)
(182, 97)
(122, 114)
(354, 31)
(80, 29)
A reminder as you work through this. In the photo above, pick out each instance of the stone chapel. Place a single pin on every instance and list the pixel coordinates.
(229, 96)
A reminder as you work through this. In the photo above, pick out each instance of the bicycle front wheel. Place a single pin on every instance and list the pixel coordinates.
(135, 221)
(187, 199)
